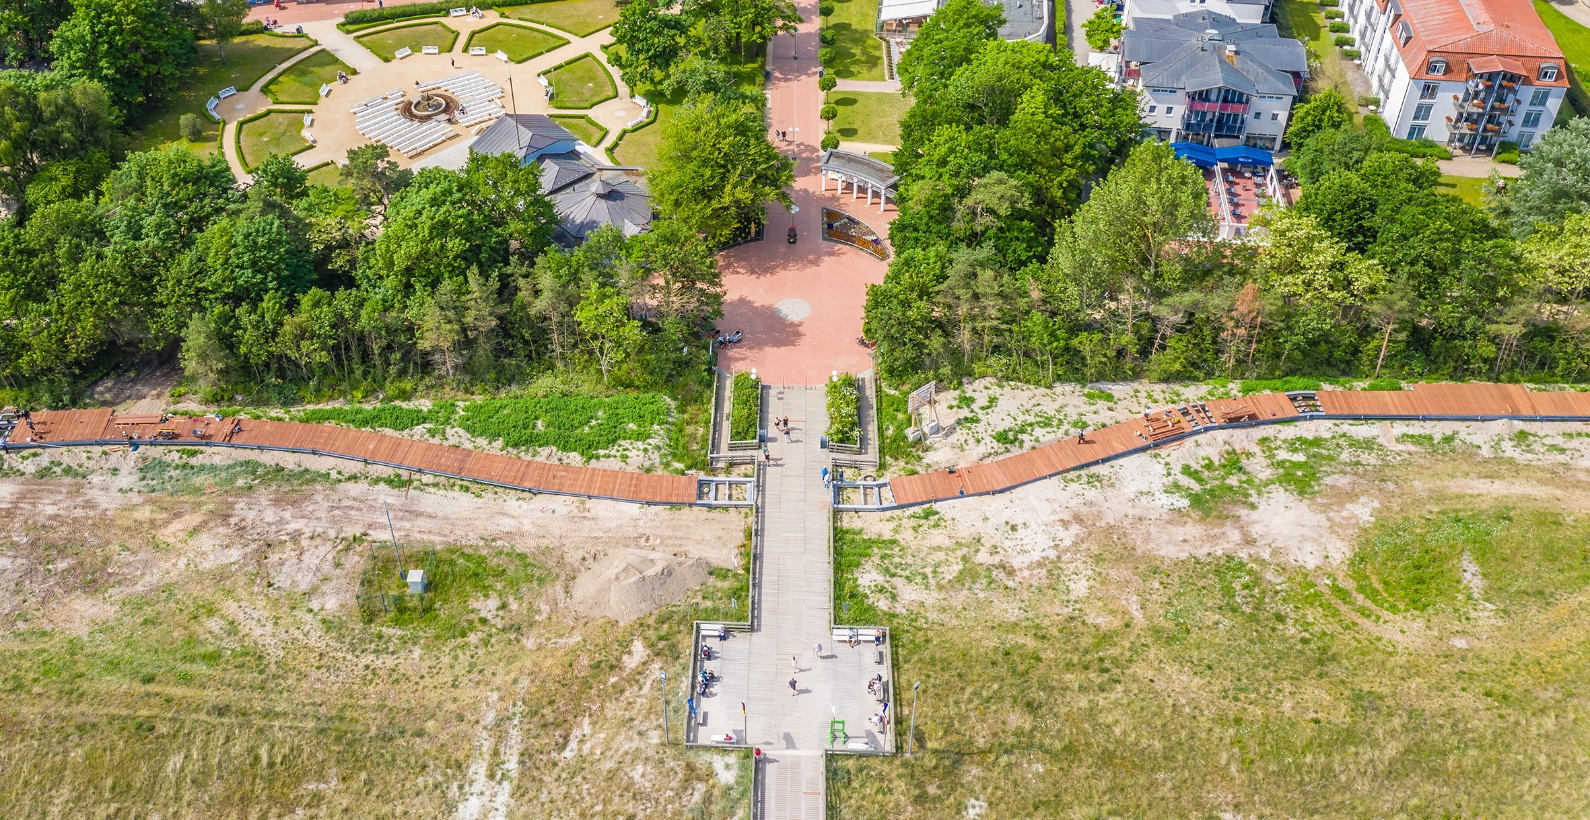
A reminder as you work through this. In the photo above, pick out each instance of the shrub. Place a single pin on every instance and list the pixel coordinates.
(362, 17)
(827, 82)
(568, 423)
(829, 112)
(830, 141)
(745, 410)
(190, 127)
(1098, 395)
(1366, 101)
(252, 27)
(1333, 14)
(1286, 385)
(1352, 53)
(826, 55)
(1343, 41)
(1383, 384)
(1329, 4)
(827, 36)
(1339, 27)
(844, 411)
(1509, 157)
(825, 9)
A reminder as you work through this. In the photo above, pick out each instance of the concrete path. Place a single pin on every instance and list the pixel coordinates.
(1576, 10)
(883, 86)
(867, 147)
(1478, 168)
(246, 103)
(334, 126)
(1077, 12)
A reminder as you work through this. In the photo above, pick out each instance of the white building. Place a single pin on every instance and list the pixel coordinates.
(1207, 79)
(1466, 73)
(1243, 11)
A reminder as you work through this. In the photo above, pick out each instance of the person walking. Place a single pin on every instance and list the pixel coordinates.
(794, 665)
(793, 691)
(817, 649)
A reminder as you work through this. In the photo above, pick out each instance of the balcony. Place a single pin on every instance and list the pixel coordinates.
(1217, 108)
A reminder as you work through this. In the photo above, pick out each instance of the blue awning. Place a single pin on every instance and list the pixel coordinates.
(1205, 157)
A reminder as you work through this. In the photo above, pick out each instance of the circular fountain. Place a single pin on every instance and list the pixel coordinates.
(429, 106)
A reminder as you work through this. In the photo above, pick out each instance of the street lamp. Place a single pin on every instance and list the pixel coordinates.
(910, 740)
(663, 690)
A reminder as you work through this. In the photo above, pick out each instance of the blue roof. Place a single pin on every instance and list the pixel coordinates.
(1205, 157)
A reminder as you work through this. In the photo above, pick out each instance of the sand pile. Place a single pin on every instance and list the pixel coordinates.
(630, 583)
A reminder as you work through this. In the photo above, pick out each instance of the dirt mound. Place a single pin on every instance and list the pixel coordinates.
(631, 583)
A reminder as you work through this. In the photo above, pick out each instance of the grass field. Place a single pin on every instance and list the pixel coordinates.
(883, 156)
(640, 147)
(520, 43)
(581, 84)
(581, 18)
(275, 133)
(247, 59)
(1435, 672)
(384, 44)
(300, 83)
(867, 116)
(1305, 20)
(327, 174)
(859, 55)
(1468, 189)
(256, 688)
(1574, 40)
(588, 130)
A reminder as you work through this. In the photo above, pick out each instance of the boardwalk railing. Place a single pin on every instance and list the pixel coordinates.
(1424, 402)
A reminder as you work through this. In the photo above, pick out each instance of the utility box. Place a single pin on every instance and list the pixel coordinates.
(416, 579)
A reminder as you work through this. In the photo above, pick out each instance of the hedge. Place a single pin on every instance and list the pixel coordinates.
(844, 410)
(368, 18)
(745, 411)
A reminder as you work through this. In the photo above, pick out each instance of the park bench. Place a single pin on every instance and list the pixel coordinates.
(210, 107)
(228, 92)
(501, 55)
(309, 118)
(477, 51)
(308, 136)
(402, 52)
(325, 90)
(430, 50)
(459, 12)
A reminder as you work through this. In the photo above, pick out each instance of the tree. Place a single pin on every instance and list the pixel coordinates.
(204, 358)
(223, 19)
(374, 176)
(677, 272)
(508, 194)
(26, 27)
(1559, 255)
(1555, 182)
(254, 252)
(139, 50)
(610, 334)
(49, 118)
(1138, 220)
(1301, 261)
(441, 326)
(1335, 149)
(436, 229)
(948, 40)
(1102, 28)
(281, 177)
(1346, 206)
(651, 39)
(1324, 111)
(717, 170)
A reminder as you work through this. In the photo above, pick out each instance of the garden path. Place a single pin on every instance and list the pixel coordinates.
(334, 126)
(880, 86)
(245, 103)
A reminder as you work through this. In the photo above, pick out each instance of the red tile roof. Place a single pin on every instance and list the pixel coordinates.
(1462, 30)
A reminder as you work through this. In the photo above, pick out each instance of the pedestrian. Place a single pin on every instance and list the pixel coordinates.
(786, 435)
(794, 665)
(380, 4)
(1079, 437)
(792, 690)
(767, 457)
(817, 649)
(451, 62)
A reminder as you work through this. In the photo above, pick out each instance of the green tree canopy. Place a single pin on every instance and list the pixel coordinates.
(48, 118)
(949, 39)
(716, 170)
(1555, 183)
(26, 27)
(652, 39)
(1102, 28)
(1324, 111)
(139, 50)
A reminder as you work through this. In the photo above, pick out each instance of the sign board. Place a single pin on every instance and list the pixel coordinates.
(921, 397)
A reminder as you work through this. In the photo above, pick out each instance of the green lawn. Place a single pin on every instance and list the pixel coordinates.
(301, 82)
(859, 54)
(588, 130)
(640, 147)
(275, 133)
(581, 84)
(1574, 40)
(385, 43)
(882, 156)
(578, 17)
(520, 43)
(247, 59)
(867, 116)
(1467, 189)
(1305, 20)
(327, 173)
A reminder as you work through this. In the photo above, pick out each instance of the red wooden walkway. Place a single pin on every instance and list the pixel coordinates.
(1468, 402)
(100, 427)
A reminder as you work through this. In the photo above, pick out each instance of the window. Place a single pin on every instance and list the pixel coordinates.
(1524, 140)
(1540, 97)
(1258, 115)
(1548, 73)
(1404, 33)
(1170, 109)
(1532, 119)
(1416, 132)
(1429, 90)
(1151, 108)
(1275, 116)
(1438, 67)
(1421, 112)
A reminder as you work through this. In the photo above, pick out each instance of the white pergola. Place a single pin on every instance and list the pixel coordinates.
(858, 170)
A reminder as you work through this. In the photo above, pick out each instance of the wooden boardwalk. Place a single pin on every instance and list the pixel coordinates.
(1435, 402)
(65, 428)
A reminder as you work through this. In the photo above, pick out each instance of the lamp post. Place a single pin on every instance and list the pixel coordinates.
(663, 690)
(910, 740)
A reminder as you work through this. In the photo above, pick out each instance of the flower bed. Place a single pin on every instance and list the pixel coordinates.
(847, 230)
(745, 407)
(844, 411)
